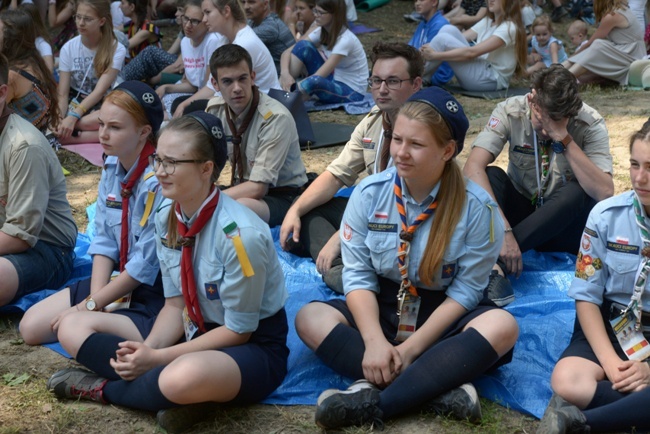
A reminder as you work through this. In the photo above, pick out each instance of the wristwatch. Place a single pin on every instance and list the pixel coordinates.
(559, 146)
(91, 304)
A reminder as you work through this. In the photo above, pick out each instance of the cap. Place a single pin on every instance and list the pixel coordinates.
(450, 110)
(214, 128)
(147, 98)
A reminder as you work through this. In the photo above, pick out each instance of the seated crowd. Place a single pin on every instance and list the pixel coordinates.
(185, 277)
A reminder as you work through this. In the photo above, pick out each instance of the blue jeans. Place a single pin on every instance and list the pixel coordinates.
(326, 89)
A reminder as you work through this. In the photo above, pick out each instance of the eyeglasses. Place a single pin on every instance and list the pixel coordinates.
(83, 19)
(193, 21)
(168, 164)
(391, 82)
(319, 12)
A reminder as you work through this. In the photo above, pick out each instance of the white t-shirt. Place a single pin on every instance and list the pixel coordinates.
(43, 47)
(353, 68)
(197, 59)
(266, 76)
(351, 11)
(119, 20)
(77, 59)
(528, 15)
(503, 59)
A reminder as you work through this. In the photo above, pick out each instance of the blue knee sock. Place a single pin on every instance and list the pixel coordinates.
(96, 351)
(444, 366)
(143, 393)
(622, 415)
(604, 395)
(342, 350)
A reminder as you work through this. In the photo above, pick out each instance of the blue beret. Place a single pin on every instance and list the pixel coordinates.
(450, 110)
(214, 128)
(148, 99)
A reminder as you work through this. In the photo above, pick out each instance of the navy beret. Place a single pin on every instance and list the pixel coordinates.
(148, 99)
(214, 128)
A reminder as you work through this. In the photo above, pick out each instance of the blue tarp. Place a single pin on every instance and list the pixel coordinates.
(543, 310)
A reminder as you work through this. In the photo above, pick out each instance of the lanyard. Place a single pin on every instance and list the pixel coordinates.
(543, 177)
(406, 236)
(642, 275)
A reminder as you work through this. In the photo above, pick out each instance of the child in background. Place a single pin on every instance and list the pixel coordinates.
(546, 48)
(579, 34)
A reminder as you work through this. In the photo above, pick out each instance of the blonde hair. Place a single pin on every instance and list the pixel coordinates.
(545, 21)
(236, 9)
(107, 43)
(604, 7)
(452, 191)
(578, 26)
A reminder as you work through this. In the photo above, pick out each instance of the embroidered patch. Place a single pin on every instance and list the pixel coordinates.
(448, 270)
(347, 232)
(622, 240)
(592, 233)
(622, 248)
(494, 122)
(586, 242)
(382, 227)
(212, 291)
(587, 265)
(381, 215)
(523, 150)
(367, 143)
(111, 202)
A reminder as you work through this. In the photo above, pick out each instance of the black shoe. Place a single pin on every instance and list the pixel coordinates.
(357, 405)
(75, 383)
(499, 289)
(461, 403)
(181, 419)
(558, 13)
(562, 417)
(334, 278)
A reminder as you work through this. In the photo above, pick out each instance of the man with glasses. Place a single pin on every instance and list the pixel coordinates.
(311, 225)
(263, 148)
(559, 166)
(269, 28)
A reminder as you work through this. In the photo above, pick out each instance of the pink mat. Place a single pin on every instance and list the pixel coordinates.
(91, 152)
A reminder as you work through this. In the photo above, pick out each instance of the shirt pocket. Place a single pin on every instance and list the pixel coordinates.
(113, 223)
(171, 259)
(624, 266)
(210, 283)
(383, 251)
(522, 160)
(449, 267)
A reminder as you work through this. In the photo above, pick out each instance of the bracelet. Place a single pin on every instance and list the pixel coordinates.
(506, 230)
(74, 114)
(83, 109)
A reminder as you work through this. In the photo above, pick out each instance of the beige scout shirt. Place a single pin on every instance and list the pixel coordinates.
(33, 203)
(361, 151)
(270, 148)
(510, 122)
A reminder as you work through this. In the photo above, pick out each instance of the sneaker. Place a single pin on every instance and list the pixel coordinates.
(558, 13)
(180, 419)
(499, 289)
(357, 405)
(461, 403)
(562, 417)
(334, 278)
(75, 383)
(53, 140)
(413, 17)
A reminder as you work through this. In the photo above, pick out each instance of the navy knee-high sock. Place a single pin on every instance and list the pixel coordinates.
(96, 352)
(143, 393)
(604, 395)
(444, 366)
(622, 415)
(342, 350)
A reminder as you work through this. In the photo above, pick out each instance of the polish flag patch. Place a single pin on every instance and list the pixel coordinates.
(381, 215)
(494, 122)
(347, 232)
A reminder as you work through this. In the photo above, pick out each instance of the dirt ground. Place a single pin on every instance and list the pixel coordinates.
(26, 406)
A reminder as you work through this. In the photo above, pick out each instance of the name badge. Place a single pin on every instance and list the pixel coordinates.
(632, 341)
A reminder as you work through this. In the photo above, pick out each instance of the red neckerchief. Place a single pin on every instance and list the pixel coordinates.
(126, 193)
(188, 282)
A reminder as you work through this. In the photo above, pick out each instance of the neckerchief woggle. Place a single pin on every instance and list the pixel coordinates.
(406, 236)
(636, 304)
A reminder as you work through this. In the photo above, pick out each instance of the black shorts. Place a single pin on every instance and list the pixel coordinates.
(279, 201)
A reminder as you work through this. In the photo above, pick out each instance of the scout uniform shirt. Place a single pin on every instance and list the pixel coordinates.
(510, 122)
(610, 254)
(270, 148)
(226, 296)
(362, 151)
(142, 263)
(370, 239)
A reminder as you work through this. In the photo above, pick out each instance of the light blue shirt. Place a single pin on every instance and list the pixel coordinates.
(370, 238)
(610, 254)
(226, 296)
(545, 52)
(142, 263)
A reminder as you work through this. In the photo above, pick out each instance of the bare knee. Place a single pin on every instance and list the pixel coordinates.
(499, 328)
(315, 321)
(575, 380)
(32, 327)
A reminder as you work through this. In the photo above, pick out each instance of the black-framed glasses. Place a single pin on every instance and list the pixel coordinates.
(391, 82)
(168, 164)
(83, 19)
(193, 21)
(319, 12)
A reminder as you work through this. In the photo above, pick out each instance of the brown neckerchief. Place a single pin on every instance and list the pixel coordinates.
(385, 146)
(238, 166)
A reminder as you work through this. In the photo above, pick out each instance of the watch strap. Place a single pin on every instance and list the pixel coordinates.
(566, 140)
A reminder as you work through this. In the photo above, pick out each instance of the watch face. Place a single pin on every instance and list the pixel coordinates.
(91, 305)
(558, 147)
